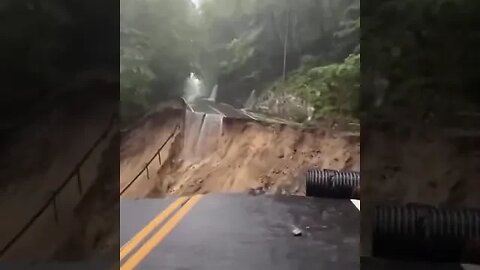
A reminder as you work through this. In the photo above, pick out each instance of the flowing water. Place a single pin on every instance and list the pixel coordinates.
(202, 131)
(193, 125)
(250, 101)
(213, 94)
(209, 135)
(194, 88)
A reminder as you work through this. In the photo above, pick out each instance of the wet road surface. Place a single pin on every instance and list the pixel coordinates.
(94, 264)
(241, 232)
(381, 264)
(210, 107)
(225, 110)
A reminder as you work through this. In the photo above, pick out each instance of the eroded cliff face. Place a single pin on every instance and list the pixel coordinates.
(233, 155)
(418, 164)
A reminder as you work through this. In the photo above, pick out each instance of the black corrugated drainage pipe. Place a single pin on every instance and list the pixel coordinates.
(332, 184)
(423, 232)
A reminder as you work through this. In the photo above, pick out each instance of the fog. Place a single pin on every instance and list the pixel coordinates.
(230, 45)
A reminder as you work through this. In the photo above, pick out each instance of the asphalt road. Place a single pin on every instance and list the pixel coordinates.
(225, 110)
(218, 231)
(210, 107)
(381, 264)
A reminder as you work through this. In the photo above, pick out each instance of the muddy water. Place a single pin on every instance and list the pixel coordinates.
(251, 155)
(193, 124)
(215, 154)
(209, 135)
(201, 135)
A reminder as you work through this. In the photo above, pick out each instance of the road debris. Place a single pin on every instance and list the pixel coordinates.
(296, 231)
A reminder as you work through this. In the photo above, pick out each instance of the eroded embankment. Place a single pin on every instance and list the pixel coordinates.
(246, 156)
(142, 142)
(36, 162)
(417, 164)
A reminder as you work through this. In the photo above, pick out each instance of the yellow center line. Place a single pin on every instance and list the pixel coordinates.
(151, 243)
(132, 244)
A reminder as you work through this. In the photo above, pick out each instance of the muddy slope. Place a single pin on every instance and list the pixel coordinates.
(143, 140)
(414, 164)
(251, 156)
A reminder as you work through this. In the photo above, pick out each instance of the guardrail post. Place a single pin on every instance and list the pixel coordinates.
(79, 181)
(151, 160)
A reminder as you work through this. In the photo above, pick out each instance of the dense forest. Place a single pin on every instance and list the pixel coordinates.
(52, 50)
(420, 59)
(240, 45)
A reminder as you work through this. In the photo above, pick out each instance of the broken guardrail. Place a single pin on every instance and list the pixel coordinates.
(145, 168)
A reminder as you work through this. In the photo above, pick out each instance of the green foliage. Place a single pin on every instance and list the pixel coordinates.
(40, 43)
(245, 39)
(158, 45)
(44, 53)
(427, 51)
(237, 44)
(337, 88)
(333, 90)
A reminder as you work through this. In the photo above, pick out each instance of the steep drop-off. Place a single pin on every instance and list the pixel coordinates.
(246, 156)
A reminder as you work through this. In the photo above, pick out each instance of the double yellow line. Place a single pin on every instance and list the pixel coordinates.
(183, 204)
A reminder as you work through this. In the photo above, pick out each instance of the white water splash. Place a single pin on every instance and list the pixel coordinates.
(194, 88)
(209, 135)
(202, 134)
(250, 101)
(213, 94)
(193, 124)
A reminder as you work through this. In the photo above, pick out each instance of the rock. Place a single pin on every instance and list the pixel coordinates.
(281, 155)
(296, 231)
(257, 191)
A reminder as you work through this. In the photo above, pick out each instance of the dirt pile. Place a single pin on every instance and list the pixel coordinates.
(430, 169)
(253, 157)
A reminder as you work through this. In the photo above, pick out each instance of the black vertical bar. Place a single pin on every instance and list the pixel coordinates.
(55, 213)
(79, 181)
(159, 158)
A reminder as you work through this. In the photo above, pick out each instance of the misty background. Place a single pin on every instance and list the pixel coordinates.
(52, 48)
(239, 47)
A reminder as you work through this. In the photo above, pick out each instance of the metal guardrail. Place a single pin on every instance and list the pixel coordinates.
(52, 198)
(150, 161)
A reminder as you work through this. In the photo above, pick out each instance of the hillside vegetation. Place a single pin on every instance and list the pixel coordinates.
(239, 46)
(420, 58)
(319, 92)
